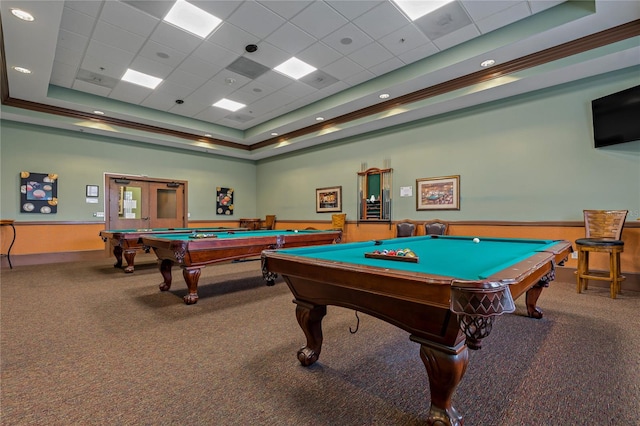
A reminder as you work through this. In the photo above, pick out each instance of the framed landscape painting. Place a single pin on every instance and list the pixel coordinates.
(329, 199)
(438, 193)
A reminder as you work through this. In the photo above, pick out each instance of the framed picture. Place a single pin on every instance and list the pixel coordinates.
(329, 199)
(438, 193)
(38, 192)
(224, 201)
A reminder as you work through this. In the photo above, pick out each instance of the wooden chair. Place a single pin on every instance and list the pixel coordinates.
(603, 233)
(269, 222)
(405, 228)
(339, 221)
(436, 227)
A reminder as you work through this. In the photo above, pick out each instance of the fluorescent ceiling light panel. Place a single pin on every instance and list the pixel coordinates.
(229, 104)
(141, 79)
(192, 19)
(415, 9)
(295, 68)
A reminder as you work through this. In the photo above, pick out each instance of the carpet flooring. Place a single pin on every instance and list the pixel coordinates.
(86, 344)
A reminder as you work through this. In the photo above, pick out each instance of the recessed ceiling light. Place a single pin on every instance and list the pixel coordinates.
(25, 16)
(487, 63)
(319, 118)
(98, 112)
(274, 134)
(207, 135)
(22, 70)
(141, 79)
(417, 9)
(229, 104)
(295, 68)
(192, 19)
(383, 96)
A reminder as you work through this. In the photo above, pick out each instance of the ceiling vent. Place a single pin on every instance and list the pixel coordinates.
(240, 118)
(318, 79)
(247, 68)
(97, 79)
(443, 21)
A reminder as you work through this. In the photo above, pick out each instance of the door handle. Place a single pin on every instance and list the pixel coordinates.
(146, 218)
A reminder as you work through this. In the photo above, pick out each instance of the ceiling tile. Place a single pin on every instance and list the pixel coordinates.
(128, 18)
(156, 8)
(285, 8)
(386, 66)
(180, 78)
(63, 74)
(319, 20)
(232, 38)
(419, 53)
(352, 9)
(111, 35)
(108, 60)
(256, 19)
(443, 21)
(403, 40)
(347, 39)
(319, 55)
(381, 20)
(274, 79)
(504, 17)
(269, 55)
(91, 8)
(343, 68)
(291, 38)
(77, 22)
(151, 67)
(457, 37)
(370, 55)
(214, 54)
(175, 38)
(221, 9)
(480, 9)
(72, 42)
(162, 54)
(198, 67)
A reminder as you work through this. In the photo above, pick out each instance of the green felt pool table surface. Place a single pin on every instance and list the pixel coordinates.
(452, 256)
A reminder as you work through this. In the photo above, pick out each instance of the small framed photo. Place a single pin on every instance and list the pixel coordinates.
(329, 199)
(93, 190)
(438, 193)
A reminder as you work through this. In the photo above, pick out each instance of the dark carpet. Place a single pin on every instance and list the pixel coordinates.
(86, 344)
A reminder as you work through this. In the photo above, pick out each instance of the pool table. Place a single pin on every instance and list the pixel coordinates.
(193, 252)
(128, 241)
(446, 296)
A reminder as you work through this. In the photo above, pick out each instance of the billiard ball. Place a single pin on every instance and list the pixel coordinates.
(295, 230)
(476, 240)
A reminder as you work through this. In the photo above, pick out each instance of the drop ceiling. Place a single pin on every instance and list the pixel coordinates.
(79, 50)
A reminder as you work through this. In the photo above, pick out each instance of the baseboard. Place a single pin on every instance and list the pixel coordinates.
(47, 258)
(631, 283)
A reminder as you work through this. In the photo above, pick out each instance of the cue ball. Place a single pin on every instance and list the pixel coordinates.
(476, 240)
(295, 230)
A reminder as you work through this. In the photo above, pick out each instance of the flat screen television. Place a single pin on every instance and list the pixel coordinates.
(616, 118)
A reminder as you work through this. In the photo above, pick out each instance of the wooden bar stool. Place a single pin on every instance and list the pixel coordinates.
(603, 229)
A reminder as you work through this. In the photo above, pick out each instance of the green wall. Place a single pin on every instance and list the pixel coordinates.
(81, 159)
(529, 158)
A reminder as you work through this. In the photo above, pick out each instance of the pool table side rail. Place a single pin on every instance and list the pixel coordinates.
(200, 252)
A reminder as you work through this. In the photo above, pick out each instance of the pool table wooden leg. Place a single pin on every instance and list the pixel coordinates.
(129, 256)
(117, 252)
(310, 319)
(165, 270)
(531, 299)
(191, 277)
(445, 366)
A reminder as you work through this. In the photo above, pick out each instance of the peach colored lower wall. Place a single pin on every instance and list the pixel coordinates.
(44, 238)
